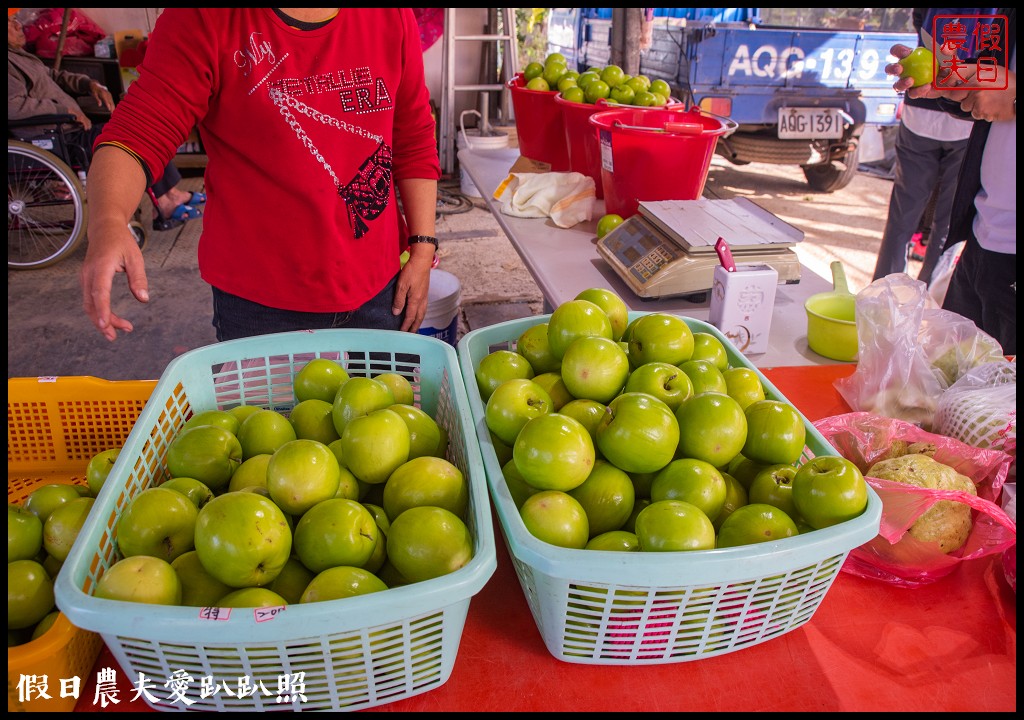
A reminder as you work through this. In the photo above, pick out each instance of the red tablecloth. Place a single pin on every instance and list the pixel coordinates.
(948, 646)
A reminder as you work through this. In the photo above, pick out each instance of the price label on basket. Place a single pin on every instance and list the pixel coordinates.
(267, 613)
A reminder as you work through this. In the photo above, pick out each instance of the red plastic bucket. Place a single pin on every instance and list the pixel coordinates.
(641, 160)
(580, 138)
(539, 125)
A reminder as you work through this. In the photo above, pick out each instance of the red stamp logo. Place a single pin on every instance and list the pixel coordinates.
(958, 42)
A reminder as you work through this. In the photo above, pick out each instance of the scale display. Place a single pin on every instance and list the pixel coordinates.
(654, 261)
(641, 252)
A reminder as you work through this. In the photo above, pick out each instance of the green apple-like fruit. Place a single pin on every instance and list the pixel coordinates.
(553, 384)
(533, 345)
(518, 488)
(292, 581)
(24, 534)
(712, 428)
(44, 499)
(302, 473)
(774, 486)
(557, 518)
(424, 432)
(498, 366)
(400, 386)
(263, 432)
(63, 525)
(251, 473)
(638, 433)
(313, 419)
(660, 337)
(141, 579)
(587, 412)
(512, 405)
(775, 433)
(708, 347)
(341, 582)
(705, 376)
(99, 468)
(575, 319)
(735, 497)
(829, 489)
(614, 541)
(554, 452)
(221, 418)
(428, 542)
(666, 382)
(208, 453)
(252, 597)
(320, 378)
(29, 594)
(243, 539)
(594, 368)
(743, 385)
(613, 305)
(360, 396)
(919, 65)
(243, 411)
(607, 497)
(45, 624)
(673, 525)
(198, 587)
(157, 522)
(335, 532)
(695, 481)
(426, 481)
(755, 523)
(198, 492)
(374, 445)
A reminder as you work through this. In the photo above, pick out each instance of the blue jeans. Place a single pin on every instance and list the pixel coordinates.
(235, 317)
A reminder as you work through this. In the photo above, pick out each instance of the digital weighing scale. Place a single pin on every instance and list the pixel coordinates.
(668, 248)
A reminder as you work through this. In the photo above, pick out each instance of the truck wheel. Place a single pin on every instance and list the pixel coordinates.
(832, 176)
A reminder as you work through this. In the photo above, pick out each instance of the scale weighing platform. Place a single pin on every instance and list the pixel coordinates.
(668, 248)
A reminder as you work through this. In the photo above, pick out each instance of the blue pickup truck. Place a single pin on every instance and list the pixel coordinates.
(803, 84)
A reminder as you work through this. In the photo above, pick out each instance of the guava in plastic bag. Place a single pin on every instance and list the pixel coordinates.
(894, 555)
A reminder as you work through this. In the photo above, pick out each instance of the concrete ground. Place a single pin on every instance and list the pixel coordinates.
(49, 334)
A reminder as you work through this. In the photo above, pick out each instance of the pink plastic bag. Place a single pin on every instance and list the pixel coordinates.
(895, 556)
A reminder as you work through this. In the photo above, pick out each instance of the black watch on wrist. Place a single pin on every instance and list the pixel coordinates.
(413, 239)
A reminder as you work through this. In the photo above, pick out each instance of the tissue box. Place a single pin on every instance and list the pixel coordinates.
(742, 304)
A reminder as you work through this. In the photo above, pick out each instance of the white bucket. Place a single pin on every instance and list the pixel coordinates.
(443, 301)
(472, 139)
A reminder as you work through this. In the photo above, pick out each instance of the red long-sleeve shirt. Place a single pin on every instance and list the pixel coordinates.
(305, 132)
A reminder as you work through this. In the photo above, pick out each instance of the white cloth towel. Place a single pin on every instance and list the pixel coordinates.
(566, 197)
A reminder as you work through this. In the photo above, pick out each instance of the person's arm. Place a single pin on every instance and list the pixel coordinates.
(416, 171)
(419, 200)
(116, 184)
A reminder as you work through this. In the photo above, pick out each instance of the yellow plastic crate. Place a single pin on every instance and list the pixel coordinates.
(54, 427)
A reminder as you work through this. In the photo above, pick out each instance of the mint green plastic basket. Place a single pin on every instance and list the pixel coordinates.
(629, 608)
(354, 653)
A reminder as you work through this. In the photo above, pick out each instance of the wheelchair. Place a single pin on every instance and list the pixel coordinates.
(46, 205)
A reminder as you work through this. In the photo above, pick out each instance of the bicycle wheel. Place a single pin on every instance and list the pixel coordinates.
(46, 213)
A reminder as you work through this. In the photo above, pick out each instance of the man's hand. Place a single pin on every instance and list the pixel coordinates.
(116, 252)
(943, 78)
(102, 95)
(993, 105)
(80, 116)
(412, 291)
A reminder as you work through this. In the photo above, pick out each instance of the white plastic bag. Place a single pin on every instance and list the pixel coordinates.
(909, 351)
